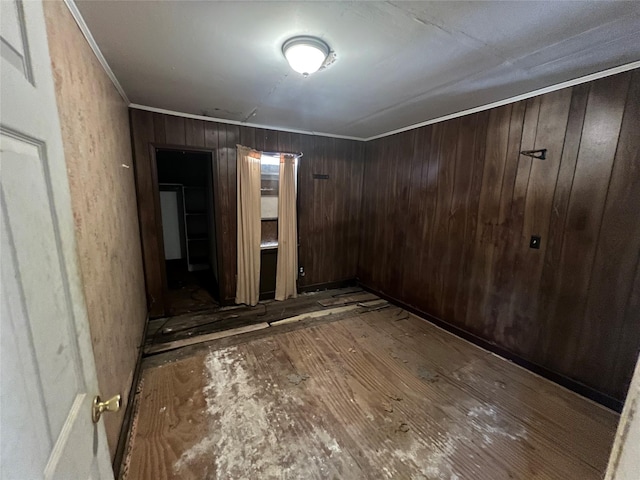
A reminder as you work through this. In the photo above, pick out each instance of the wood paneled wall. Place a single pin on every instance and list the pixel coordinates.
(328, 209)
(449, 209)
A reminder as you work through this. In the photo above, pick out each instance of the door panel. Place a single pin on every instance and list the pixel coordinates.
(22, 409)
(30, 228)
(14, 47)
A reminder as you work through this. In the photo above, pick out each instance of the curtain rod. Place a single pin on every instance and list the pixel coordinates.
(297, 154)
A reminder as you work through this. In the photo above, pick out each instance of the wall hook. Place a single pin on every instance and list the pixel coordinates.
(539, 154)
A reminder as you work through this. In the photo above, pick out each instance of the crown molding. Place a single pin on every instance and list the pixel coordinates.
(77, 16)
(552, 88)
(236, 122)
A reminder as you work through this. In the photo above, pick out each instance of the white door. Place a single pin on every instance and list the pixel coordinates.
(47, 372)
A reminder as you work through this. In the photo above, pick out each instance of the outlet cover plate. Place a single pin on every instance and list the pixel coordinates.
(534, 242)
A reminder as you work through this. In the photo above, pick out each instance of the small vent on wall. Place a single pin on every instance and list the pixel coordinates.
(320, 176)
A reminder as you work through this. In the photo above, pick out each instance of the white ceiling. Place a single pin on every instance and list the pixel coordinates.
(398, 63)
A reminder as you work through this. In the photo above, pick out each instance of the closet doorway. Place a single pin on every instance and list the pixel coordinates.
(187, 206)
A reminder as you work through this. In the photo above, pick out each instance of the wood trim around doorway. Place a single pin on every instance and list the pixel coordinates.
(153, 148)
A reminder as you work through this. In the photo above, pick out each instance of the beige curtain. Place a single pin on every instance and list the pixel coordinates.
(287, 267)
(249, 233)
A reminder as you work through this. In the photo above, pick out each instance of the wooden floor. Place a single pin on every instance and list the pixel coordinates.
(189, 291)
(377, 394)
(190, 327)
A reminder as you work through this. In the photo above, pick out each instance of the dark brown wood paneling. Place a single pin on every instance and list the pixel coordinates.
(306, 195)
(194, 132)
(463, 181)
(610, 318)
(160, 135)
(518, 326)
(600, 131)
(329, 210)
(175, 130)
(448, 211)
(483, 296)
(143, 123)
(550, 273)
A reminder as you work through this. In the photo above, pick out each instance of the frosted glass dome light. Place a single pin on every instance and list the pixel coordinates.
(305, 54)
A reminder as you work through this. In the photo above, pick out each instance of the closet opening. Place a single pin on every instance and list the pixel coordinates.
(186, 188)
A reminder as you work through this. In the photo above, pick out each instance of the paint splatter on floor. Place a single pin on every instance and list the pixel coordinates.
(307, 404)
(251, 434)
(436, 459)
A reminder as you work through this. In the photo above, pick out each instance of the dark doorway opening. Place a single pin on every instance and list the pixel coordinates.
(185, 182)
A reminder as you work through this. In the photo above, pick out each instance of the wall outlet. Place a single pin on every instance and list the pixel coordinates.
(301, 271)
(534, 242)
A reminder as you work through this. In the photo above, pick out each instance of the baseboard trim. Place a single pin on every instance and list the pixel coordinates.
(351, 282)
(121, 448)
(573, 385)
(267, 296)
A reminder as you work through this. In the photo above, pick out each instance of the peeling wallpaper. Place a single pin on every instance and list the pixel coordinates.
(95, 133)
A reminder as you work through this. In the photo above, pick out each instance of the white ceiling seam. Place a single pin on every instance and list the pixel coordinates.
(475, 42)
(77, 16)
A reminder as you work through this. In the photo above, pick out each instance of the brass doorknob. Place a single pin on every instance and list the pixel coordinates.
(111, 405)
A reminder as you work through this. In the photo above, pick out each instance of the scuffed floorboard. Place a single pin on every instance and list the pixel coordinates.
(380, 394)
(181, 330)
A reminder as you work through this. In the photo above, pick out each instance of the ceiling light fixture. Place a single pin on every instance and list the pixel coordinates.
(305, 54)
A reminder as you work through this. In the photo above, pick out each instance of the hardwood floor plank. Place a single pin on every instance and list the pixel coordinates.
(380, 394)
(546, 415)
(315, 314)
(345, 299)
(163, 347)
(170, 420)
(164, 330)
(309, 418)
(370, 410)
(437, 410)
